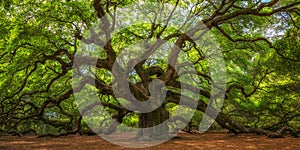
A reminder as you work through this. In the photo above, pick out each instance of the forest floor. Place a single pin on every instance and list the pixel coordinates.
(183, 141)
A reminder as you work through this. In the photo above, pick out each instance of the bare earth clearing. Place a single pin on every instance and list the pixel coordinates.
(185, 141)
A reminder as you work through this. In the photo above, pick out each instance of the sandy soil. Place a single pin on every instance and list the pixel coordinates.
(183, 142)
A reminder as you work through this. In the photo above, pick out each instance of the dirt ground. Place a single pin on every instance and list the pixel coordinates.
(182, 142)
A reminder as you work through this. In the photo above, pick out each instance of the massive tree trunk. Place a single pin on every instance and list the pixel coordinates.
(151, 125)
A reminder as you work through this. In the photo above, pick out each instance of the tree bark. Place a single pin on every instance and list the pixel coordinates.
(151, 125)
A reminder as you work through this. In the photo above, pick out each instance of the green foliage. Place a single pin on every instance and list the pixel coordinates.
(39, 39)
